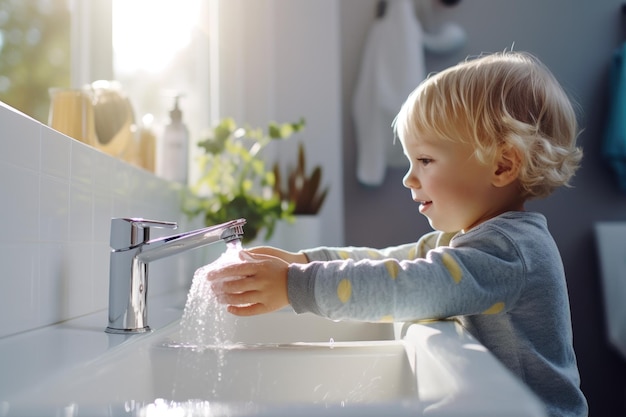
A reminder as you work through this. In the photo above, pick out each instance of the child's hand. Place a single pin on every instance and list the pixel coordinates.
(256, 285)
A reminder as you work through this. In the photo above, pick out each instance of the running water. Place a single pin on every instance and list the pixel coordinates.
(203, 323)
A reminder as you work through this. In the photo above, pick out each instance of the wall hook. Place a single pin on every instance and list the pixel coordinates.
(381, 8)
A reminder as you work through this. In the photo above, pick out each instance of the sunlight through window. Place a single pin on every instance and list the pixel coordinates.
(148, 34)
(161, 50)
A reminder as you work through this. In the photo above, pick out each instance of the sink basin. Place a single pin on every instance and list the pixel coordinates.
(319, 374)
(299, 373)
(281, 364)
(271, 361)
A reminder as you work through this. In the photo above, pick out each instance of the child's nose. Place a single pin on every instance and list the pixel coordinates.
(410, 180)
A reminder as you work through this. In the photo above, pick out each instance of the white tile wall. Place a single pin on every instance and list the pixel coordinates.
(57, 199)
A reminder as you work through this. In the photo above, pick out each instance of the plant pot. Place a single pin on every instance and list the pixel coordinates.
(303, 233)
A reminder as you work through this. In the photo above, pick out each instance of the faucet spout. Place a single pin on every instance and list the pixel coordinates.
(131, 252)
(175, 244)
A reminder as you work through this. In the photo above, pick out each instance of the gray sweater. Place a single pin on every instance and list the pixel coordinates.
(503, 280)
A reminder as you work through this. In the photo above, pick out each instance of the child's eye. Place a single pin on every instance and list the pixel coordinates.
(424, 161)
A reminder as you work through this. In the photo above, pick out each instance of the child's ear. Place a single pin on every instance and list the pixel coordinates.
(507, 166)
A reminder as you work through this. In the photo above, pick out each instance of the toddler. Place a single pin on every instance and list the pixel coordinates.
(482, 138)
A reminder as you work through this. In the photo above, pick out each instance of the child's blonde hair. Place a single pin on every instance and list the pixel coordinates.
(508, 99)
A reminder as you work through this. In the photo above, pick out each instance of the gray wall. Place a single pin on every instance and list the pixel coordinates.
(575, 38)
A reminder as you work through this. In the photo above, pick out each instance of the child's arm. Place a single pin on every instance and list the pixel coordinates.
(289, 257)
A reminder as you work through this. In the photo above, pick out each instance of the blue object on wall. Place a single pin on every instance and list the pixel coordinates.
(614, 146)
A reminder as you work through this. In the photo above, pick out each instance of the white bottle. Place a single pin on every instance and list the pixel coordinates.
(174, 148)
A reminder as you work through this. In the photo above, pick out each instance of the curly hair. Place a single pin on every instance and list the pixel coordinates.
(507, 99)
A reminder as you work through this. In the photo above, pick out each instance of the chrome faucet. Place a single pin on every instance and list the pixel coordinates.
(132, 251)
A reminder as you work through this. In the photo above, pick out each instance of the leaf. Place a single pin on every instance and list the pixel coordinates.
(318, 201)
(278, 189)
(301, 161)
(285, 130)
(302, 190)
(224, 129)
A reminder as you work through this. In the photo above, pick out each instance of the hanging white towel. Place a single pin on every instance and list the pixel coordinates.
(610, 238)
(392, 66)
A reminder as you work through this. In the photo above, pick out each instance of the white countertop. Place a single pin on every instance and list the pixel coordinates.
(36, 356)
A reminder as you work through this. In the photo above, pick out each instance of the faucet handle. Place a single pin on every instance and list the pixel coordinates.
(128, 232)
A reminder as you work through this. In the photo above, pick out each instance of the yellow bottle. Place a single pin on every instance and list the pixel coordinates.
(147, 145)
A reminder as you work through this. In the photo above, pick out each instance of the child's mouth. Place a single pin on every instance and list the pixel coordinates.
(424, 205)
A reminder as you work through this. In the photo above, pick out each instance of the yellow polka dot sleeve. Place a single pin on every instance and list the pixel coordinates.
(407, 282)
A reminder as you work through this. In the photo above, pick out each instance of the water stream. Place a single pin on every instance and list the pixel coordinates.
(205, 331)
(203, 323)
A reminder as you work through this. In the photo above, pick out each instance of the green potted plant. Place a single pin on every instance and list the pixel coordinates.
(235, 181)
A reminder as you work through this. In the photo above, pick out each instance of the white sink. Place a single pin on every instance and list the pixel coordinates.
(283, 364)
(299, 373)
(345, 373)
(273, 359)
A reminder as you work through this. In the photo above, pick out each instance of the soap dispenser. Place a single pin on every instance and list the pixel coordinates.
(173, 157)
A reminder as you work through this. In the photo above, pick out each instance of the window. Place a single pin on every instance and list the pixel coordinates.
(34, 53)
(156, 49)
(161, 50)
